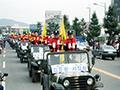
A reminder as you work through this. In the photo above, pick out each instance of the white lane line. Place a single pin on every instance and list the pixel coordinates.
(4, 55)
(3, 84)
(107, 73)
(4, 64)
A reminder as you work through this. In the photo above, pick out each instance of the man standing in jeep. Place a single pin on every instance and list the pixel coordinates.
(55, 42)
(70, 42)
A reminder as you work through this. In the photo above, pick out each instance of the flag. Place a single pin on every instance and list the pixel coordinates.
(44, 30)
(62, 30)
(63, 37)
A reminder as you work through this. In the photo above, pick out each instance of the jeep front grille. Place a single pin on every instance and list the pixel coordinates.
(79, 83)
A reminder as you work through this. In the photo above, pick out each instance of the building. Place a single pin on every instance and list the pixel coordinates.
(116, 4)
(53, 17)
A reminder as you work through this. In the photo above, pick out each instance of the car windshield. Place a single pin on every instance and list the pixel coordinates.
(24, 43)
(67, 58)
(108, 47)
(35, 49)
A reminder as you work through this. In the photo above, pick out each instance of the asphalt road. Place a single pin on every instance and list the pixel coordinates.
(18, 78)
(18, 75)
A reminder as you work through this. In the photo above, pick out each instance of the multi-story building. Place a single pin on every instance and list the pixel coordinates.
(116, 4)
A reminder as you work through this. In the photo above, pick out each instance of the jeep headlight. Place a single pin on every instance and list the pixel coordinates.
(66, 83)
(90, 81)
(39, 62)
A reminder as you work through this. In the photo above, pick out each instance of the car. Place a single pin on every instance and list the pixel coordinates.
(105, 51)
(35, 61)
(83, 46)
(69, 71)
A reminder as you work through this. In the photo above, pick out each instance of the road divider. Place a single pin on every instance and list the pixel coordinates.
(107, 73)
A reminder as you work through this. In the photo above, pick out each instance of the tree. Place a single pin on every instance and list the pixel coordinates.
(66, 22)
(76, 26)
(52, 26)
(83, 27)
(94, 28)
(110, 23)
(39, 26)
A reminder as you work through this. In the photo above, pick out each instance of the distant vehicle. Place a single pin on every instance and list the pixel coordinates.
(34, 61)
(82, 44)
(2, 80)
(105, 51)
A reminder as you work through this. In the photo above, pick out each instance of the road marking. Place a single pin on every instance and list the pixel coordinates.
(3, 84)
(3, 64)
(107, 73)
(4, 55)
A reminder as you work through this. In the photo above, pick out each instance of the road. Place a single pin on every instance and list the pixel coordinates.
(18, 75)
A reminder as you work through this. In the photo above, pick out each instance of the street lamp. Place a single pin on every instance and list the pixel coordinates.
(89, 13)
(103, 5)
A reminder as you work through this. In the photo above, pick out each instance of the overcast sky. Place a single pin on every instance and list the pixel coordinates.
(31, 11)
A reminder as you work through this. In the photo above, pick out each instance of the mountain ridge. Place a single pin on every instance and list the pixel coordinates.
(11, 22)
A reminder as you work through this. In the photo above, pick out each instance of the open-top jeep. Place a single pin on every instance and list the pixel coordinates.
(69, 71)
(24, 51)
(34, 62)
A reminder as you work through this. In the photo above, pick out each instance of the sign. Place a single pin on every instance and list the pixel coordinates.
(69, 68)
(38, 55)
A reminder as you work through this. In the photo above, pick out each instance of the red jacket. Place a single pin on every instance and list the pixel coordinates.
(46, 40)
(70, 44)
(55, 44)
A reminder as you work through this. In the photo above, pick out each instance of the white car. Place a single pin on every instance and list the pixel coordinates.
(105, 51)
(83, 46)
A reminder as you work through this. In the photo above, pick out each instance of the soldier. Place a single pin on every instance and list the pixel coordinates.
(70, 42)
(55, 42)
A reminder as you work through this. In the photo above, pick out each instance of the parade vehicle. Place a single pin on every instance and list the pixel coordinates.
(0, 49)
(2, 80)
(69, 71)
(1, 45)
(24, 51)
(35, 61)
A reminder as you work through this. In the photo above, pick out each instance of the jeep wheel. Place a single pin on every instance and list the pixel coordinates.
(30, 73)
(33, 77)
(21, 60)
(103, 57)
(113, 58)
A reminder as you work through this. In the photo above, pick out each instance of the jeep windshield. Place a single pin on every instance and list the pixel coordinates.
(35, 49)
(67, 58)
(68, 62)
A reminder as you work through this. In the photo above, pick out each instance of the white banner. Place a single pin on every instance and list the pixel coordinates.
(69, 68)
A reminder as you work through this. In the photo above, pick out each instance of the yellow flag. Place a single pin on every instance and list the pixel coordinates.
(44, 31)
(62, 30)
(63, 36)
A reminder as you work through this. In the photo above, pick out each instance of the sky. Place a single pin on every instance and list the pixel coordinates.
(32, 11)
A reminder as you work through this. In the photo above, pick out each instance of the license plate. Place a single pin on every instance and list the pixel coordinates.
(110, 52)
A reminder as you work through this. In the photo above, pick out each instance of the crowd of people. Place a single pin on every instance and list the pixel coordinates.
(55, 42)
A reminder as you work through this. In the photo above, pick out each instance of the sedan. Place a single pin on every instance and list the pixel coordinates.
(105, 51)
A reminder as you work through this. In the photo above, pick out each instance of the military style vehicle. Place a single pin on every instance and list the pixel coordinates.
(35, 61)
(69, 71)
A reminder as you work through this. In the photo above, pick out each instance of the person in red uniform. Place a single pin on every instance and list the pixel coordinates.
(46, 39)
(37, 39)
(55, 42)
(70, 42)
